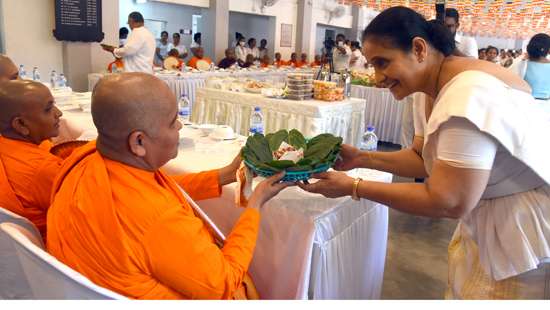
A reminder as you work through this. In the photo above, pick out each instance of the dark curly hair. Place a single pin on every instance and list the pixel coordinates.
(400, 25)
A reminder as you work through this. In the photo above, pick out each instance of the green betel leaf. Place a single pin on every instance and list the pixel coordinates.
(275, 139)
(281, 164)
(257, 145)
(297, 140)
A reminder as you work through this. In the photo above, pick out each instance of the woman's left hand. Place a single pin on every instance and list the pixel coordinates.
(330, 184)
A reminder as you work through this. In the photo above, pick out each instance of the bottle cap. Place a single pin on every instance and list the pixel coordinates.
(370, 128)
(257, 109)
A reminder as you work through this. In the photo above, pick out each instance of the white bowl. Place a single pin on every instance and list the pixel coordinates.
(207, 129)
(223, 133)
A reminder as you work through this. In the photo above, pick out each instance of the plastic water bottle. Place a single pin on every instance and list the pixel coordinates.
(370, 140)
(256, 122)
(62, 83)
(35, 74)
(183, 68)
(53, 79)
(114, 68)
(184, 109)
(212, 66)
(22, 72)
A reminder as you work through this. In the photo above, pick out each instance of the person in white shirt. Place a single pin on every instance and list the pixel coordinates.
(163, 47)
(241, 51)
(341, 54)
(139, 51)
(176, 43)
(263, 48)
(197, 42)
(467, 46)
(252, 49)
(357, 61)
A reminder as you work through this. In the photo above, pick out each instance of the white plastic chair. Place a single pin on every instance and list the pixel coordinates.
(47, 277)
(13, 282)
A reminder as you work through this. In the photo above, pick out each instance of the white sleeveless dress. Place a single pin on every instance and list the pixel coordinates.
(502, 247)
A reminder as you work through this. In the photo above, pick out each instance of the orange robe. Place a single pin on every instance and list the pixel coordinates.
(27, 173)
(119, 64)
(315, 64)
(280, 63)
(193, 62)
(131, 231)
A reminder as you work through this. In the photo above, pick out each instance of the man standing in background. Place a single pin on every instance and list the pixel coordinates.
(341, 54)
(467, 46)
(139, 51)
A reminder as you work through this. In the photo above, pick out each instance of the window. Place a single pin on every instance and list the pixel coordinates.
(196, 22)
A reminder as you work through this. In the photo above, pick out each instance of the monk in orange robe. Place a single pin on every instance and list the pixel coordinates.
(199, 55)
(28, 118)
(124, 224)
(279, 62)
(316, 62)
(8, 70)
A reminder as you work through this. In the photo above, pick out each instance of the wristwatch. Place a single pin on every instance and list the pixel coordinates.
(354, 194)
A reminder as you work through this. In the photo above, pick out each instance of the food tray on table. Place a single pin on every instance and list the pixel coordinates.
(291, 152)
(299, 97)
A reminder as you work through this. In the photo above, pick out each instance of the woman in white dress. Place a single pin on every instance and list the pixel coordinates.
(482, 148)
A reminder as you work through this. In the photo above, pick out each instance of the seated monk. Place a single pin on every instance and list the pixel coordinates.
(28, 118)
(316, 62)
(8, 70)
(278, 61)
(199, 55)
(124, 224)
(67, 131)
(173, 61)
(265, 61)
(303, 61)
(294, 62)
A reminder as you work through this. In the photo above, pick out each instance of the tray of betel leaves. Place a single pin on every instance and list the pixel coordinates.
(291, 152)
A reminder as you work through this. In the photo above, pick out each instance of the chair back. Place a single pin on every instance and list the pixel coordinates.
(47, 277)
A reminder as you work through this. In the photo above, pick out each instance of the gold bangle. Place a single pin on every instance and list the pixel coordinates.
(354, 194)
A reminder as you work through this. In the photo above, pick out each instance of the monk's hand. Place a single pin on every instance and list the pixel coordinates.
(228, 174)
(267, 189)
(330, 184)
(350, 158)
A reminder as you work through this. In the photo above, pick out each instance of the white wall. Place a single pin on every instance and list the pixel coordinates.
(177, 16)
(252, 26)
(27, 31)
(284, 12)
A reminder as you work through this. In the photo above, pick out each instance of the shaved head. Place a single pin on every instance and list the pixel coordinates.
(27, 111)
(136, 118)
(8, 70)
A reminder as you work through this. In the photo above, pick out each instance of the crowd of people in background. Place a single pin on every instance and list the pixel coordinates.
(340, 54)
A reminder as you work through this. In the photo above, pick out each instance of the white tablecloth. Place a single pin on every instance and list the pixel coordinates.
(385, 113)
(187, 83)
(308, 246)
(311, 117)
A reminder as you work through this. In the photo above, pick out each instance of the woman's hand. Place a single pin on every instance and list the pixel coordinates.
(267, 189)
(350, 158)
(330, 184)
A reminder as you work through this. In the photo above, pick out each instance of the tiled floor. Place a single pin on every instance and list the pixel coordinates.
(416, 259)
